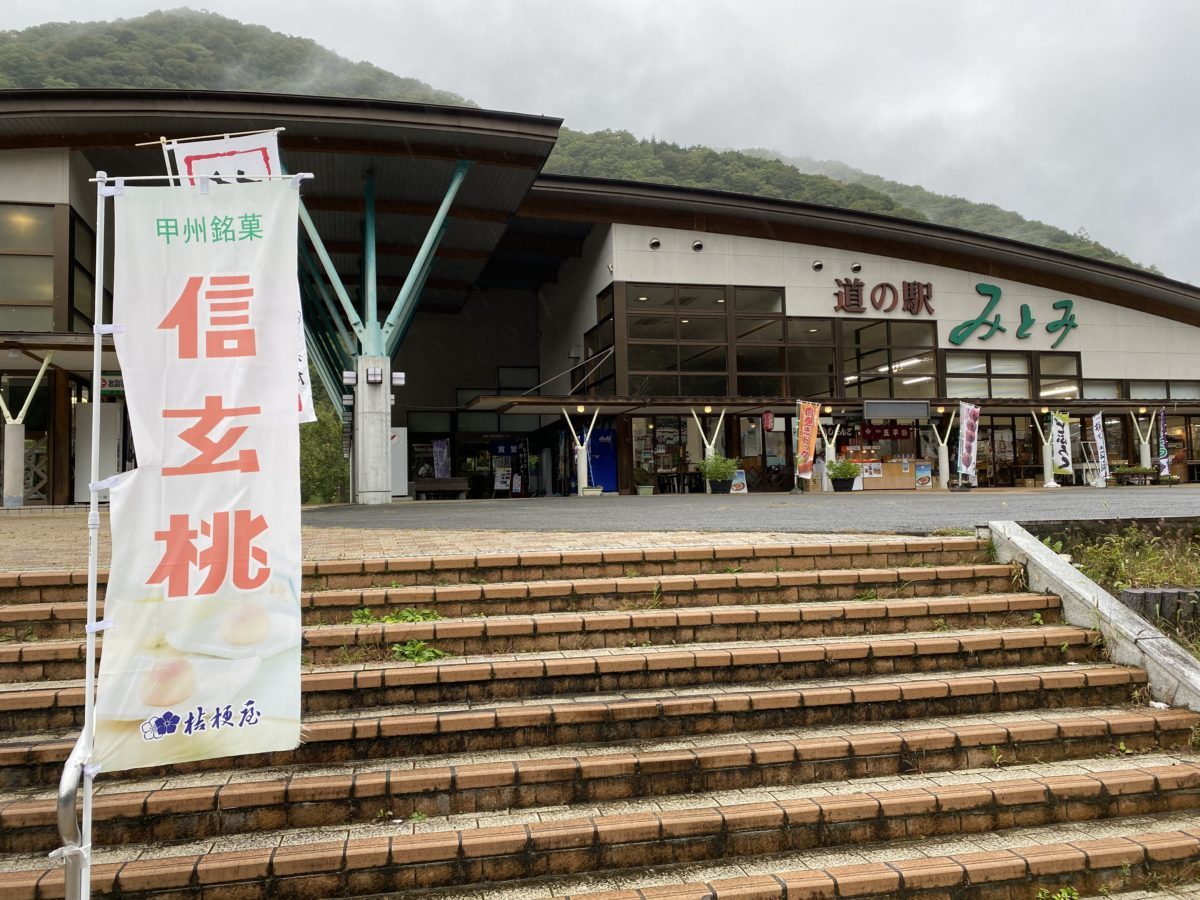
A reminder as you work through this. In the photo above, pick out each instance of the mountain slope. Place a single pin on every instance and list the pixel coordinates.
(194, 51)
(957, 212)
(189, 50)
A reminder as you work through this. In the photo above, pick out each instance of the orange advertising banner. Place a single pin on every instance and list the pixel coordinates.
(806, 437)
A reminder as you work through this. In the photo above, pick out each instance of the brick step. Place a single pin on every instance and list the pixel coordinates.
(1128, 863)
(28, 708)
(63, 660)
(369, 860)
(291, 799)
(423, 729)
(62, 619)
(481, 568)
(584, 595)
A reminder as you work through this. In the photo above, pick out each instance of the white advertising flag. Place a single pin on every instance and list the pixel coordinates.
(202, 650)
(1101, 445)
(1060, 443)
(968, 439)
(237, 160)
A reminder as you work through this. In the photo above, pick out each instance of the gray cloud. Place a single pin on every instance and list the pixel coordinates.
(1078, 113)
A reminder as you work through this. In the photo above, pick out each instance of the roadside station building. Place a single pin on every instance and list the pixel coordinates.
(508, 297)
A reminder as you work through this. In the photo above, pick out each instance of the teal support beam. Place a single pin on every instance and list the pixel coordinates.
(336, 352)
(372, 340)
(406, 301)
(332, 385)
(334, 279)
(348, 342)
(396, 335)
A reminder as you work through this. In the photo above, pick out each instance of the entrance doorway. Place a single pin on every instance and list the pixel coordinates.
(766, 454)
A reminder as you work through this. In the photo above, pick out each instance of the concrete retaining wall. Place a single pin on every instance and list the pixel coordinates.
(1130, 639)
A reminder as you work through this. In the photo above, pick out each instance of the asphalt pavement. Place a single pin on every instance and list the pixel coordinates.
(863, 511)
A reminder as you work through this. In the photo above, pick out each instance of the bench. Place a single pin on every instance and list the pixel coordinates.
(424, 487)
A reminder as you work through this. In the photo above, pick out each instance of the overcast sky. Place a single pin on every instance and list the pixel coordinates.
(1080, 113)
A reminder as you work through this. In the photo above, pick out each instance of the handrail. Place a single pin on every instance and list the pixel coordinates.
(72, 850)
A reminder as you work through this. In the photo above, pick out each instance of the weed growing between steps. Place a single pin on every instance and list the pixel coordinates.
(364, 616)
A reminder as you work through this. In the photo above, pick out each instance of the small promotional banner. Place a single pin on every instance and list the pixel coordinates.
(1101, 445)
(1060, 443)
(768, 420)
(739, 485)
(1164, 455)
(968, 439)
(807, 415)
(202, 645)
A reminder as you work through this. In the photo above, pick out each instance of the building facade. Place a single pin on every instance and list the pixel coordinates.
(674, 317)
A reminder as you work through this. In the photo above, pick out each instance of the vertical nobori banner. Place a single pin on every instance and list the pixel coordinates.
(1101, 445)
(1060, 443)
(806, 437)
(202, 653)
(1164, 454)
(968, 440)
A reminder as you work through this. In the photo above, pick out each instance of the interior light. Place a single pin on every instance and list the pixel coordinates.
(1045, 409)
(828, 409)
(720, 299)
(1052, 392)
(650, 425)
(684, 321)
(812, 331)
(941, 409)
(1141, 409)
(917, 380)
(579, 408)
(643, 299)
(708, 409)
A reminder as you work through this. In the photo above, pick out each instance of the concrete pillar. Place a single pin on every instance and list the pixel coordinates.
(1048, 466)
(14, 466)
(944, 466)
(373, 432)
(581, 468)
(1143, 458)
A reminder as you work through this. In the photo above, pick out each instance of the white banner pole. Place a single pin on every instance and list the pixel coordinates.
(89, 691)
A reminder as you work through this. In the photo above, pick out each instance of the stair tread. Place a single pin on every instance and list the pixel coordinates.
(1054, 635)
(828, 791)
(130, 782)
(581, 886)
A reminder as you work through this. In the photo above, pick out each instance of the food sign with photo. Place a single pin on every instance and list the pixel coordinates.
(202, 614)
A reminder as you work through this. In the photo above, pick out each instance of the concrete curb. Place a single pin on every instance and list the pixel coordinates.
(1130, 639)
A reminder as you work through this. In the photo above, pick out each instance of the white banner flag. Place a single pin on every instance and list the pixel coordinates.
(968, 439)
(202, 656)
(236, 160)
(1101, 445)
(1060, 443)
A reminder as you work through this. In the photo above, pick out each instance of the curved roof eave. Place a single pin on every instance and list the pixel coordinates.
(605, 200)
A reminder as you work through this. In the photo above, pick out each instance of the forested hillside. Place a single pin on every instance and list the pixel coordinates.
(618, 154)
(196, 51)
(986, 218)
(184, 49)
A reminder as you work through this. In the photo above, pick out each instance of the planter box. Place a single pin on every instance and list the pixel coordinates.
(645, 490)
(593, 492)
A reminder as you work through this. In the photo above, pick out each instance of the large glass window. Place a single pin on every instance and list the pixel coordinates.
(881, 358)
(26, 229)
(1007, 374)
(758, 300)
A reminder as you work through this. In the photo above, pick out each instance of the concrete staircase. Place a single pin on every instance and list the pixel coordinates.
(870, 718)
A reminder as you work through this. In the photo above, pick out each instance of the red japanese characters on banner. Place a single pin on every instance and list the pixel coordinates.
(768, 420)
(202, 656)
(807, 415)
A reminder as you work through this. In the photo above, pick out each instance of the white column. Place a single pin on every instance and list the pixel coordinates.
(373, 432)
(1143, 461)
(14, 465)
(1048, 466)
(581, 468)
(944, 466)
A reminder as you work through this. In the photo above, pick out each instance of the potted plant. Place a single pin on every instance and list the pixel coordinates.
(643, 481)
(718, 471)
(842, 473)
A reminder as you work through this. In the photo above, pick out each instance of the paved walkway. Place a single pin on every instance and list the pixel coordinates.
(58, 540)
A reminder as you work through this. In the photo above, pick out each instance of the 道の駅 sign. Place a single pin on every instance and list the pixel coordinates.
(202, 650)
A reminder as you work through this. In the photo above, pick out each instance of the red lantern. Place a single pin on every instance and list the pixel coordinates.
(768, 421)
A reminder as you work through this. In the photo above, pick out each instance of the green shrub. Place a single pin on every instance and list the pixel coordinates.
(718, 467)
(842, 468)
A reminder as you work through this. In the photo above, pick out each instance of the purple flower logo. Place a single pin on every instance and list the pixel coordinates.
(157, 727)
